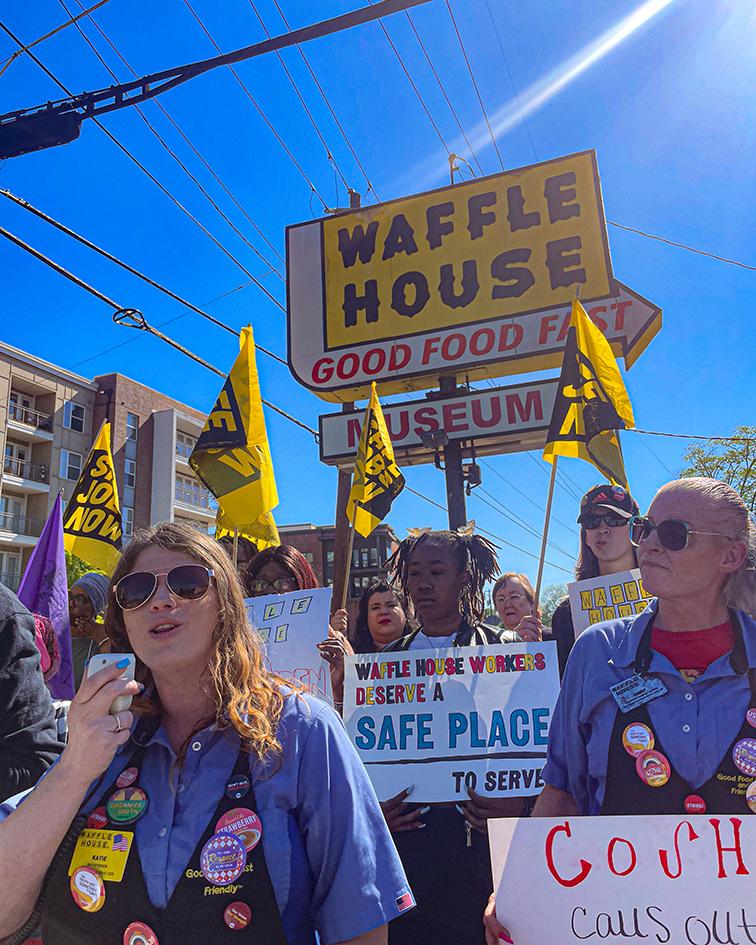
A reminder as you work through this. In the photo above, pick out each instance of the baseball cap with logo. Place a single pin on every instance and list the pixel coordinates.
(615, 498)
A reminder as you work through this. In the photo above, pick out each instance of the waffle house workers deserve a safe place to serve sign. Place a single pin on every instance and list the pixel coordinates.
(409, 289)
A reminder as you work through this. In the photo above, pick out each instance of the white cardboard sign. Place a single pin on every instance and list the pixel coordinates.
(290, 626)
(606, 597)
(669, 879)
(446, 720)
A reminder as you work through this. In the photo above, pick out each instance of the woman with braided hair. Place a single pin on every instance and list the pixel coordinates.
(444, 847)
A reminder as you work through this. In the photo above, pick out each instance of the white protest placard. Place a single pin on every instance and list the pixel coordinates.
(446, 720)
(682, 880)
(290, 626)
(606, 597)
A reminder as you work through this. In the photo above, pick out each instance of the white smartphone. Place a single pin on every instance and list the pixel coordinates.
(100, 661)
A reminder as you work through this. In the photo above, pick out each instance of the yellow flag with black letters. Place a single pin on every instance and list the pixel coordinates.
(92, 528)
(377, 480)
(592, 403)
(232, 455)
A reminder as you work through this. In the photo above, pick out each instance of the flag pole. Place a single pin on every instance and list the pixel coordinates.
(236, 544)
(348, 563)
(545, 537)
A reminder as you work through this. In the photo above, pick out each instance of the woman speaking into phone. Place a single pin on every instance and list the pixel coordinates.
(234, 810)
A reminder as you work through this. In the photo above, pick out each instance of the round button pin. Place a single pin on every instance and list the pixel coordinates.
(751, 717)
(98, 819)
(223, 859)
(744, 756)
(237, 915)
(238, 786)
(87, 889)
(653, 768)
(751, 797)
(127, 805)
(127, 777)
(694, 804)
(244, 823)
(138, 933)
(636, 738)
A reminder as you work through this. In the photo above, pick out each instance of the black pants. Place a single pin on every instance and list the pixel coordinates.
(451, 882)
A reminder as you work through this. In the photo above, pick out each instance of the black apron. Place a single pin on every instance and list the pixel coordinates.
(723, 793)
(195, 911)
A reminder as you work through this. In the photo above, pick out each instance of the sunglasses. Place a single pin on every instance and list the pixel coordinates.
(280, 584)
(594, 521)
(672, 533)
(187, 581)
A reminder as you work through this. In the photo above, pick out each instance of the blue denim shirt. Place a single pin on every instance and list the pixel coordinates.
(331, 858)
(696, 722)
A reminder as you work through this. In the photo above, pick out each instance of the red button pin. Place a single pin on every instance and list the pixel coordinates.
(98, 819)
(237, 915)
(138, 933)
(694, 804)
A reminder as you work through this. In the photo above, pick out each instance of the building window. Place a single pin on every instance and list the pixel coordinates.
(129, 472)
(373, 557)
(185, 443)
(70, 465)
(73, 417)
(310, 557)
(127, 521)
(132, 426)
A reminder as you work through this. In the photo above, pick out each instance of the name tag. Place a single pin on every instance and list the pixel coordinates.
(636, 690)
(103, 850)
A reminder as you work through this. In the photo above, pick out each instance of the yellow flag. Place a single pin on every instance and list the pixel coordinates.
(92, 520)
(377, 480)
(591, 403)
(232, 456)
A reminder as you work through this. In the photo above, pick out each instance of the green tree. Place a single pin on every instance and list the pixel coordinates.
(731, 461)
(550, 597)
(75, 567)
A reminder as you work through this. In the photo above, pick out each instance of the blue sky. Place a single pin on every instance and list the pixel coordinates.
(668, 108)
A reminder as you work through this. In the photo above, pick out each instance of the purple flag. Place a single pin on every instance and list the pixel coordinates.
(44, 590)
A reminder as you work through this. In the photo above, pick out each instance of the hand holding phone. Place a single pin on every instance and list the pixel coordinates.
(100, 661)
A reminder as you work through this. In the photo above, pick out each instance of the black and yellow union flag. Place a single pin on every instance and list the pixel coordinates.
(92, 520)
(591, 403)
(232, 456)
(377, 480)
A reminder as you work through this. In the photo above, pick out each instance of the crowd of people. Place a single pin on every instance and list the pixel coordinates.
(243, 810)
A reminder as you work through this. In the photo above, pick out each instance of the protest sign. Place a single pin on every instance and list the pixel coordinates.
(607, 597)
(446, 720)
(291, 625)
(676, 879)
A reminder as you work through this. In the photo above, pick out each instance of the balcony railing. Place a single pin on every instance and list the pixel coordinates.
(11, 579)
(197, 498)
(21, 524)
(184, 449)
(24, 470)
(32, 418)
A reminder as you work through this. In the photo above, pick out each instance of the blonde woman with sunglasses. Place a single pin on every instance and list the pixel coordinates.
(222, 807)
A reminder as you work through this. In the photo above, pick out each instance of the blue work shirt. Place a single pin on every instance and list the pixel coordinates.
(695, 722)
(330, 855)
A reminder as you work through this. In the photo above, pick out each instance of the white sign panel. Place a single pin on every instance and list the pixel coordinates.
(445, 720)
(607, 597)
(521, 412)
(290, 626)
(669, 879)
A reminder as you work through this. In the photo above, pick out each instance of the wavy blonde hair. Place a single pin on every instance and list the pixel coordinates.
(248, 698)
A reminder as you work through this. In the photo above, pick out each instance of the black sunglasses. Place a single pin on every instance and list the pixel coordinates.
(594, 521)
(187, 581)
(672, 533)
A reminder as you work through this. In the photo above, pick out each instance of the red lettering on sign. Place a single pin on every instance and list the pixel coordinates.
(736, 823)
(455, 418)
(495, 412)
(482, 341)
(585, 867)
(532, 409)
(322, 371)
(594, 313)
(548, 325)
(510, 336)
(430, 347)
(453, 347)
(402, 421)
(344, 372)
(664, 856)
(399, 357)
(353, 432)
(610, 856)
(426, 420)
(619, 318)
(375, 361)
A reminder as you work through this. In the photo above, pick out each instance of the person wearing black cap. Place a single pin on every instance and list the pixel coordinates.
(605, 548)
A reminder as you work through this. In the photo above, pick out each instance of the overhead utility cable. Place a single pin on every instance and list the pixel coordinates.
(475, 84)
(168, 148)
(690, 249)
(495, 471)
(333, 114)
(260, 112)
(152, 177)
(520, 522)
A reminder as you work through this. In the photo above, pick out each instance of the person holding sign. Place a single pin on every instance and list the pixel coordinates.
(514, 599)
(444, 847)
(235, 811)
(605, 548)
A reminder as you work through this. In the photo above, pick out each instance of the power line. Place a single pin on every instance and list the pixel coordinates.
(690, 249)
(328, 104)
(697, 436)
(152, 177)
(261, 113)
(525, 496)
(521, 523)
(167, 147)
(475, 84)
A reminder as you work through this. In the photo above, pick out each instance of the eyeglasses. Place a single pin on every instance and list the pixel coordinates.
(78, 600)
(187, 581)
(516, 596)
(594, 521)
(672, 533)
(280, 585)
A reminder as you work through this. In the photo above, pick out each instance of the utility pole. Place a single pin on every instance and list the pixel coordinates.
(455, 478)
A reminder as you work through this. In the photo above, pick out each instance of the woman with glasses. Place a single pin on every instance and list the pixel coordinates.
(657, 712)
(605, 548)
(234, 810)
(514, 600)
